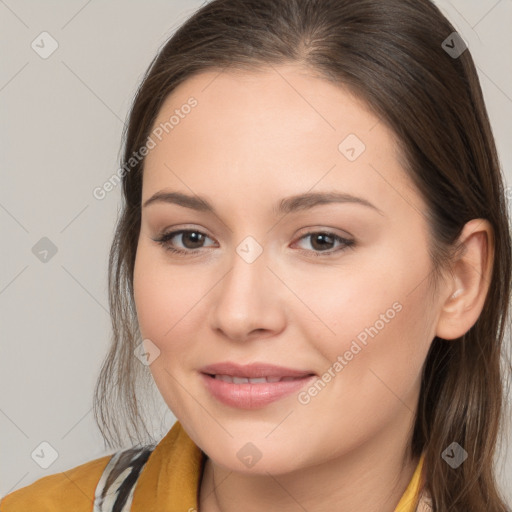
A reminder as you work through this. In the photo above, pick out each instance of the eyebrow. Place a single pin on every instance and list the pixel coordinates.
(287, 205)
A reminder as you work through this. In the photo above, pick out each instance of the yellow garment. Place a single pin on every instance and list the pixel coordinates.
(409, 500)
(72, 490)
(169, 481)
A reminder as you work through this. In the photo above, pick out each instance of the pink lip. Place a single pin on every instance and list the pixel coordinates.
(253, 370)
(252, 395)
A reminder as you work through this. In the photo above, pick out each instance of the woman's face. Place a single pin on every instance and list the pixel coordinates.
(265, 280)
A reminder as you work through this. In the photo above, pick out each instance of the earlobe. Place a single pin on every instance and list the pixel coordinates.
(469, 281)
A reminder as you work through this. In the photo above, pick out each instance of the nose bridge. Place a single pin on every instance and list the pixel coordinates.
(245, 300)
(243, 284)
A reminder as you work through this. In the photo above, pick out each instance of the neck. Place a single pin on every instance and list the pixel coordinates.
(370, 478)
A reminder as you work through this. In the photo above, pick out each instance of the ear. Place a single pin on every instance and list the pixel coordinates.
(469, 281)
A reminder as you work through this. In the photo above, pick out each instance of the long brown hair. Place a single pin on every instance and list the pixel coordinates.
(389, 53)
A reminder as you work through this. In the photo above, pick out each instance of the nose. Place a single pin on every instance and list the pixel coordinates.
(248, 302)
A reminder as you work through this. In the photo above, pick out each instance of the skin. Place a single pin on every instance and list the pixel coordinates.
(253, 139)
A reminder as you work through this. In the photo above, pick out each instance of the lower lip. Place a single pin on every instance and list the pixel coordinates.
(252, 396)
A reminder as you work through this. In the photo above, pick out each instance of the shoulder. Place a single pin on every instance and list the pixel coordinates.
(109, 483)
(70, 490)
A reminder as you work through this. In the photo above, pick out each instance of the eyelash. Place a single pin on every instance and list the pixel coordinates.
(164, 239)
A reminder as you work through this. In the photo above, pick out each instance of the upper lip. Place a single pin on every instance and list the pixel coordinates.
(253, 370)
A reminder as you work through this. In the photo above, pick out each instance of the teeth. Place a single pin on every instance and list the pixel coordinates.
(225, 378)
(245, 380)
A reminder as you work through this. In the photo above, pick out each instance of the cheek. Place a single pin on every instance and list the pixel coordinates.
(165, 296)
(374, 317)
(164, 301)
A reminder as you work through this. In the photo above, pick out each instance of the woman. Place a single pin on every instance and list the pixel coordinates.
(314, 264)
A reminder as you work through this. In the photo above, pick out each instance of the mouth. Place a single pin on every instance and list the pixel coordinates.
(271, 372)
(252, 386)
(255, 380)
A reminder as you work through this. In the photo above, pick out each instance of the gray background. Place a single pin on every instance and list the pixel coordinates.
(62, 138)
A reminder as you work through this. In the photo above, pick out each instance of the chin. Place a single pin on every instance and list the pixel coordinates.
(256, 457)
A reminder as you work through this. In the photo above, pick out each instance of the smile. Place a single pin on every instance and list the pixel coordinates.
(256, 380)
(254, 385)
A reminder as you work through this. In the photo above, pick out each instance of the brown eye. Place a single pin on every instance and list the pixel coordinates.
(191, 240)
(322, 243)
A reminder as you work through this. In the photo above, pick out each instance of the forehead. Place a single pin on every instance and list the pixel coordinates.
(289, 99)
(280, 128)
